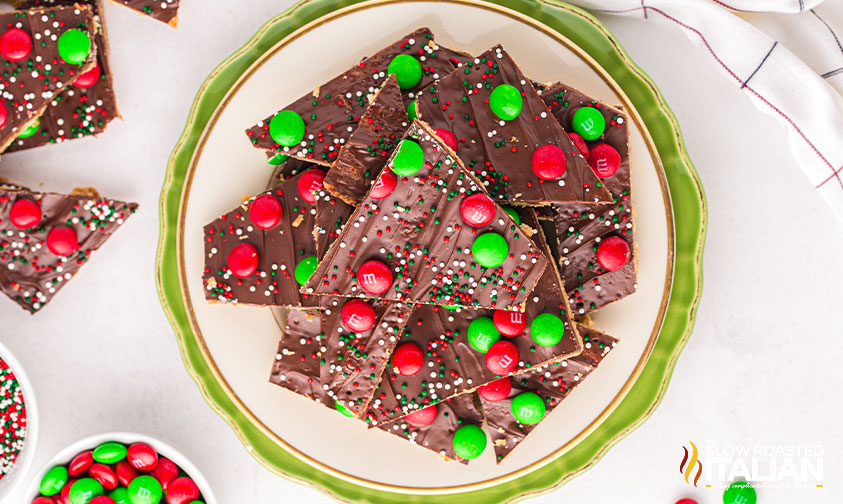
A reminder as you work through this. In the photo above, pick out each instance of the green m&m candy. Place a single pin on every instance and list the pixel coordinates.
(411, 110)
(506, 102)
(53, 481)
(278, 159)
(120, 495)
(547, 329)
(74, 46)
(407, 70)
(512, 213)
(110, 453)
(286, 128)
(304, 269)
(84, 490)
(31, 129)
(342, 409)
(408, 159)
(739, 492)
(469, 441)
(145, 490)
(589, 123)
(482, 334)
(490, 250)
(528, 408)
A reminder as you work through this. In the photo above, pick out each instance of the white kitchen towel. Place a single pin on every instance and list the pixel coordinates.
(786, 55)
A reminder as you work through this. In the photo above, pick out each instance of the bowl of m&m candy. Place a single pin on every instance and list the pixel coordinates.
(18, 427)
(120, 468)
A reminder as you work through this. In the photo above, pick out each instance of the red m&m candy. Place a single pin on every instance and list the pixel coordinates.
(686, 501)
(15, 44)
(102, 499)
(25, 214)
(374, 277)
(165, 473)
(44, 500)
(125, 472)
(497, 390)
(64, 496)
(4, 114)
(509, 322)
(605, 160)
(548, 162)
(182, 491)
(142, 457)
(408, 358)
(310, 182)
(385, 185)
(477, 210)
(579, 143)
(243, 260)
(104, 475)
(88, 78)
(265, 211)
(422, 417)
(357, 315)
(80, 463)
(613, 253)
(62, 241)
(502, 357)
(448, 138)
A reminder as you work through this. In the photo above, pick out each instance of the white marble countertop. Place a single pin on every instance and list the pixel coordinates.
(762, 367)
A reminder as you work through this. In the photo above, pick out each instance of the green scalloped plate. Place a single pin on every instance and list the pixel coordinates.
(685, 212)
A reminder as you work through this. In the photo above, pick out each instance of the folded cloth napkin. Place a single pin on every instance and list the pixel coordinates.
(787, 55)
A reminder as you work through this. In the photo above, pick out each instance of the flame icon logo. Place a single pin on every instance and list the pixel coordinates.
(687, 466)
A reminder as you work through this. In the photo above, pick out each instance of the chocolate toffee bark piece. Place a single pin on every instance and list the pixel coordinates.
(501, 126)
(45, 238)
(598, 130)
(317, 125)
(298, 360)
(596, 251)
(165, 11)
(358, 337)
(43, 51)
(331, 215)
(261, 252)
(84, 108)
(427, 233)
(596, 242)
(514, 406)
(435, 428)
(365, 153)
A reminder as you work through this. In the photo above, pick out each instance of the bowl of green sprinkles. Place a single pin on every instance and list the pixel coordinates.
(18, 424)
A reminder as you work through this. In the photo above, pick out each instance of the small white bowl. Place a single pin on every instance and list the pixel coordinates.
(11, 482)
(89, 443)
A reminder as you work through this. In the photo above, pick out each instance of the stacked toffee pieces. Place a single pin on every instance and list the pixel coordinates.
(441, 229)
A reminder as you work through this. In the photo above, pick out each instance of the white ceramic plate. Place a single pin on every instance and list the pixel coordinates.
(242, 341)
